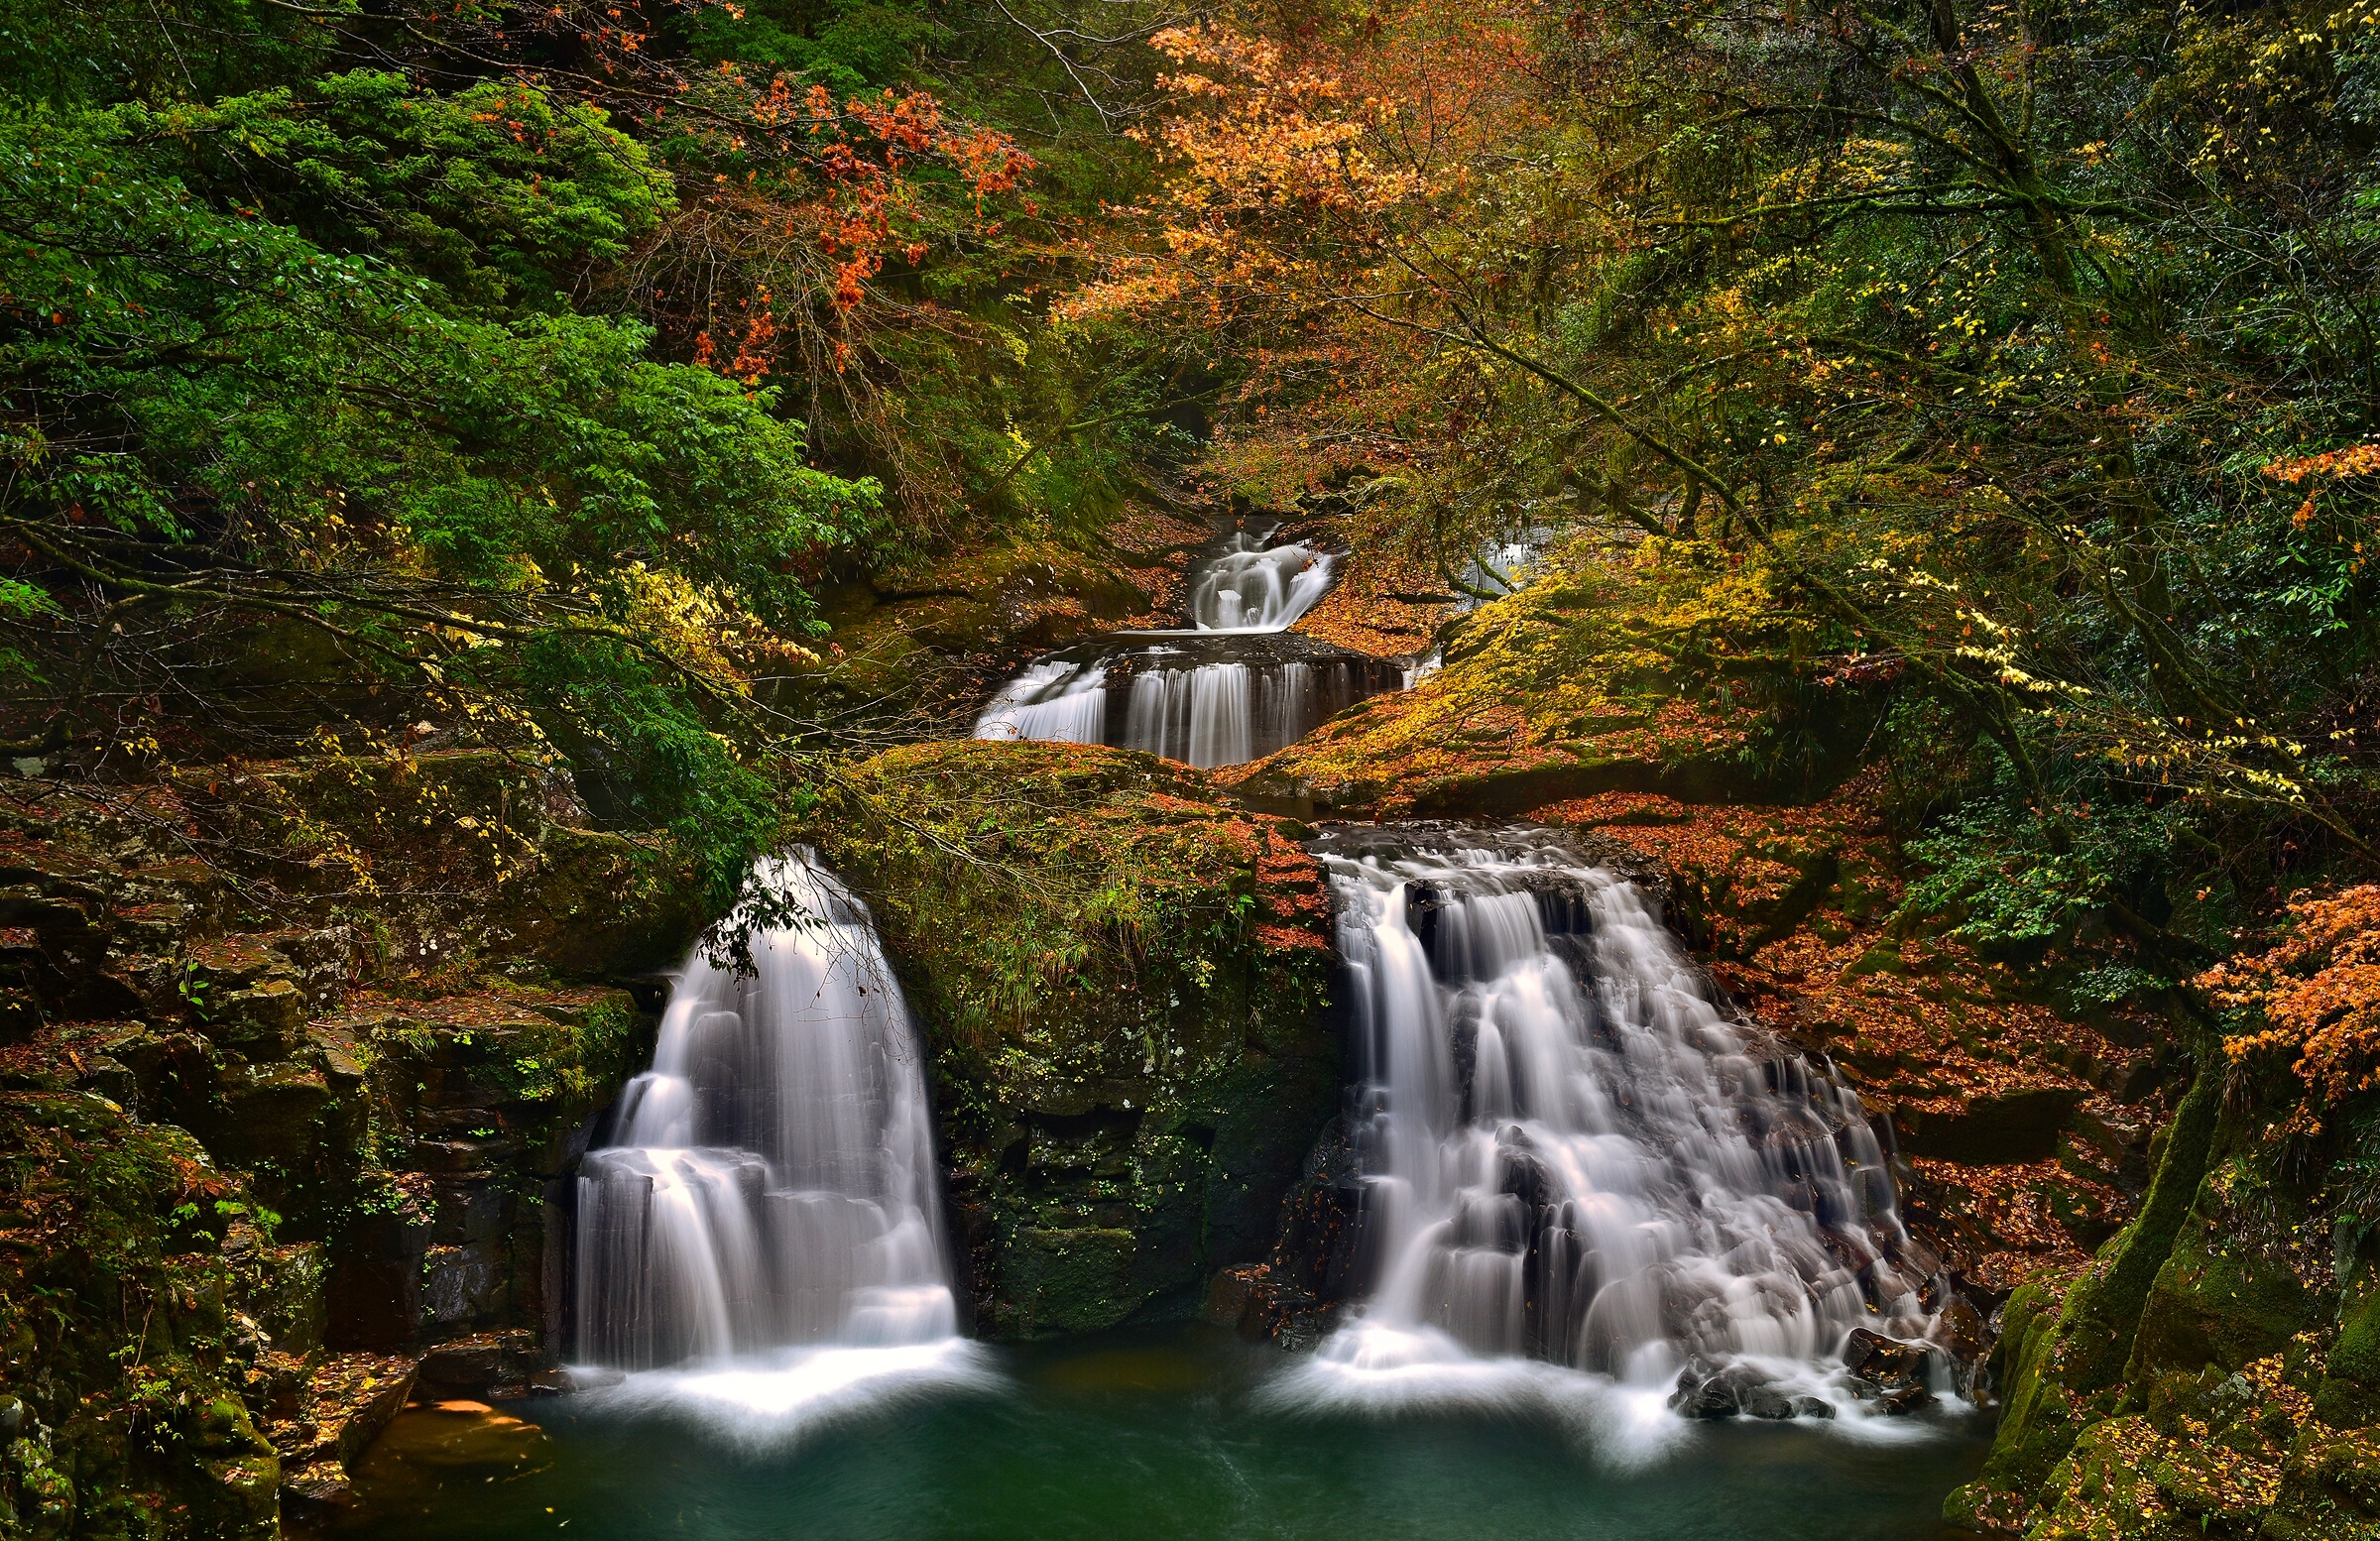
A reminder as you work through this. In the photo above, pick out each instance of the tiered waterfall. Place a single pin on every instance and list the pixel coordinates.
(1569, 1155)
(772, 1180)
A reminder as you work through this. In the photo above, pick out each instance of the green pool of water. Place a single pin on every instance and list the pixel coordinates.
(1185, 1433)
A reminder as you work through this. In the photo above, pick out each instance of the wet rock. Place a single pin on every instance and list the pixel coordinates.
(480, 1366)
(1703, 1393)
(1876, 1359)
(408, 1468)
(1769, 1403)
(1813, 1407)
(1905, 1399)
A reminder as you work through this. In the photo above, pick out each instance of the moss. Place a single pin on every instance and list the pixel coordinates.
(2329, 1489)
(1060, 1281)
(126, 1329)
(1663, 669)
(1127, 1031)
(2105, 1491)
(2219, 1299)
(2064, 1379)
(2349, 1395)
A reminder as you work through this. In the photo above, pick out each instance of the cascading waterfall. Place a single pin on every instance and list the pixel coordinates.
(1233, 688)
(1570, 1156)
(1054, 701)
(771, 1192)
(1254, 587)
(1177, 698)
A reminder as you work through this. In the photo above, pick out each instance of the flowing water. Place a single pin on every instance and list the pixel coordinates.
(1569, 1155)
(1233, 688)
(1255, 587)
(1579, 1179)
(766, 1232)
(1205, 699)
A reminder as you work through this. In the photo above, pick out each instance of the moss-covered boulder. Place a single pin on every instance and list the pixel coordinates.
(1660, 670)
(1124, 987)
(2223, 1296)
(2064, 1374)
(2349, 1394)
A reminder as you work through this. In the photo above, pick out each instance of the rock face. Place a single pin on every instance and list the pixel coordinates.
(2209, 1375)
(283, 1115)
(1123, 987)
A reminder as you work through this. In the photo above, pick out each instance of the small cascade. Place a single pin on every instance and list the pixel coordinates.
(1056, 701)
(1254, 587)
(1570, 1156)
(1234, 687)
(1203, 698)
(773, 1184)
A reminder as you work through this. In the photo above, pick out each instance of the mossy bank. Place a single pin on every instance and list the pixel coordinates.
(1124, 987)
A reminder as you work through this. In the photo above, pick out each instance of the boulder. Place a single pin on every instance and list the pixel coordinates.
(1886, 1362)
(1722, 1393)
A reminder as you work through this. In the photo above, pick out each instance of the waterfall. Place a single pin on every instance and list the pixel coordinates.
(771, 1194)
(1252, 587)
(1186, 697)
(1233, 688)
(1571, 1157)
(1054, 701)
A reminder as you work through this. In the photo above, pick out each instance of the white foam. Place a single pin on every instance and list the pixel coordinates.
(766, 1403)
(1257, 588)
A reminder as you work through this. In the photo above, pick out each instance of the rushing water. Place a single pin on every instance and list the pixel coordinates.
(1569, 1155)
(1166, 1435)
(1255, 587)
(765, 1230)
(1233, 688)
(1205, 699)
(1581, 1176)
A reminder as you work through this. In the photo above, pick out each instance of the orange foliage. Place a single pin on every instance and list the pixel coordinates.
(2316, 994)
(1294, 175)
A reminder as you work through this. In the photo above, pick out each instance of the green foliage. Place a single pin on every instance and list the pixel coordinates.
(844, 46)
(2019, 883)
(503, 193)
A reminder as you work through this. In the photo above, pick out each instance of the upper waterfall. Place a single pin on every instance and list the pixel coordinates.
(1570, 1155)
(771, 1184)
(1254, 587)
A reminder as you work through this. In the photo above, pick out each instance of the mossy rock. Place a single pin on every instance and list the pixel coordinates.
(1587, 683)
(2349, 1395)
(1059, 1281)
(2217, 1301)
(2107, 1490)
(514, 882)
(1128, 1026)
(2066, 1373)
(2329, 1489)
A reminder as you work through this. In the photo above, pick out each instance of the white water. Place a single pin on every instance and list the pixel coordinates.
(766, 1229)
(1204, 714)
(1054, 702)
(1208, 713)
(1572, 1158)
(1254, 587)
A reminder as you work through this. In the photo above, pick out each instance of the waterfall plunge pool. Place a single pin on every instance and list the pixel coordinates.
(1177, 1434)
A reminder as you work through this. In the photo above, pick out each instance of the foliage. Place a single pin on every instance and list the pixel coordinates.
(2314, 997)
(2013, 358)
(372, 371)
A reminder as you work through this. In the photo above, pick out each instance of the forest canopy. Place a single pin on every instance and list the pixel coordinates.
(541, 367)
